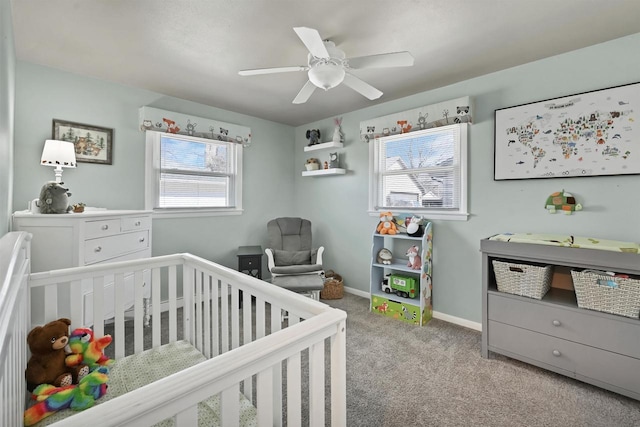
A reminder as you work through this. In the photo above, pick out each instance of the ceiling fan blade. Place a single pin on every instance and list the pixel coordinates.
(396, 59)
(312, 40)
(305, 93)
(362, 87)
(272, 70)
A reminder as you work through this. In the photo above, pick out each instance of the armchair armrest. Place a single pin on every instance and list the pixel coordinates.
(270, 260)
(319, 255)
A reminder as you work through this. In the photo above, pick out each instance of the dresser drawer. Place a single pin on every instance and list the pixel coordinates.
(578, 325)
(575, 360)
(101, 228)
(131, 223)
(96, 250)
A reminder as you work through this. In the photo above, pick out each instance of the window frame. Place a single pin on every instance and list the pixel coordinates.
(375, 174)
(152, 179)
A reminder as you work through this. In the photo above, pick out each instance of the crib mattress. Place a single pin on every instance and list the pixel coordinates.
(569, 241)
(135, 371)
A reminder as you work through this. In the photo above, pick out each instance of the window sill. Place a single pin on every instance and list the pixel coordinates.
(192, 213)
(450, 216)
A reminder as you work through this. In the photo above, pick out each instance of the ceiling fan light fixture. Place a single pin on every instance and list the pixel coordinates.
(326, 75)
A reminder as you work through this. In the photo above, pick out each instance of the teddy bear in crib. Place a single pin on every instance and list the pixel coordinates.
(48, 345)
(54, 198)
(414, 258)
(386, 224)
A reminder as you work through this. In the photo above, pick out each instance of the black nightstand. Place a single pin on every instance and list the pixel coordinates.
(250, 260)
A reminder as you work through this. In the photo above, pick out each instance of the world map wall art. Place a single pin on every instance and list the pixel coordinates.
(587, 134)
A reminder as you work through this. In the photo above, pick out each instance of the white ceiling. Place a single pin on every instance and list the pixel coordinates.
(193, 49)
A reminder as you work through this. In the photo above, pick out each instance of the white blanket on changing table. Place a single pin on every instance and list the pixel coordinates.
(135, 371)
(569, 241)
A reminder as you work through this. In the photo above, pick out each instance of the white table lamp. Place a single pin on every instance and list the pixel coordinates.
(59, 154)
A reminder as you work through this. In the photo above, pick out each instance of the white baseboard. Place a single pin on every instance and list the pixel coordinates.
(436, 315)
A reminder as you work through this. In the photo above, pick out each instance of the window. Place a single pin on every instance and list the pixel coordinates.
(191, 176)
(422, 172)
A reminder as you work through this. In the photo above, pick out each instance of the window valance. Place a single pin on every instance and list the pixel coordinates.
(441, 114)
(168, 121)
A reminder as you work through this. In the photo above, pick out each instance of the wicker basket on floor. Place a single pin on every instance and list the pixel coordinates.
(333, 286)
(527, 280)
(602, 292)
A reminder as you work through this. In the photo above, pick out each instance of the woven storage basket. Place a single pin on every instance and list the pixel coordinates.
(333, 286)
(527, 280)
(606, 293)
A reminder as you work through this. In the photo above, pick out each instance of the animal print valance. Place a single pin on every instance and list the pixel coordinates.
(430, 116)
(168, 121)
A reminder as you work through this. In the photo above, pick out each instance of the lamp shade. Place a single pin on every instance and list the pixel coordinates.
(58, 153)
(327, 75)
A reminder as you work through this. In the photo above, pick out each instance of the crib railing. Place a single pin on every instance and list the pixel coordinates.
(14, 272)
(257, 336)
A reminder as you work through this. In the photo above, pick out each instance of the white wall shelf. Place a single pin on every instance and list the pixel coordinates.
(320, 172)
(323, 146)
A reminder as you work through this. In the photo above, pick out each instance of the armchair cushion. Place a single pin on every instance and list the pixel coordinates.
(284, 258)
(297, 269)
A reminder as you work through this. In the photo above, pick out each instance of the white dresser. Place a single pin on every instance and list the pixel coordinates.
(91, 237)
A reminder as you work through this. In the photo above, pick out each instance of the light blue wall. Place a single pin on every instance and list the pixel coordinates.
(338, 204)
(7, 98)
(44, 94)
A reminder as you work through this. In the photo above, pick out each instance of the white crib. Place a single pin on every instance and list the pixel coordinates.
(283, 352)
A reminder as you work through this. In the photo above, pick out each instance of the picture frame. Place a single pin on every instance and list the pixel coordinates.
(93, 144)
(587, 134)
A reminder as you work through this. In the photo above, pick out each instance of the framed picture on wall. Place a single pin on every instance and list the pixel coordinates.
(93, 144)
(588, 134)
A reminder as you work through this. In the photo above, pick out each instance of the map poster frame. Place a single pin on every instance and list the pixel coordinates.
(592, 133)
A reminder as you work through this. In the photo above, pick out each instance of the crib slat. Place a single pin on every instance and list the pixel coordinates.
(50, 303)
(155, 306)
(230, 407)
(76, 304)
(235, 318)
(294, 390)
(198, 307)
(316, 385)
(207, 316)
(224, 314)
(173, 316)
(260, 318)
(98, 306)
(118, 327)
(138, 308)
(264, 388)
(339, 376)
(215, 301)
(276, 325)
(187, 295)
(247, 334)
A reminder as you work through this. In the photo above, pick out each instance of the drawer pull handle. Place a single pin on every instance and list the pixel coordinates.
(137, 224)
(556, 323)
(105, 227)
(98, 249)
(556, 353)
(141, 240)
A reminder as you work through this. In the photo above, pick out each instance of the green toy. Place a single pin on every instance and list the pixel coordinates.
(562, 201)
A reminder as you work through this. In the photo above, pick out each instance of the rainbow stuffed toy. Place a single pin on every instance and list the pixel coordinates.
(77, 397)
(85, 349)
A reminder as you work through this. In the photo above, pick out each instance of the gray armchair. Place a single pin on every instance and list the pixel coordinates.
(292, 260)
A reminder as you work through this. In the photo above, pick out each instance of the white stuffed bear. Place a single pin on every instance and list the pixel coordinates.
(54, 198)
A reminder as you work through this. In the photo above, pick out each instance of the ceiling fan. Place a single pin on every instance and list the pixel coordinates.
(328, 66)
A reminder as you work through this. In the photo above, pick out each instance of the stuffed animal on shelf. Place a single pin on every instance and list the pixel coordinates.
(77, 397)
(415, 227)
(384, 256)
(48, 345)
(54, 198)
(313, 135)
(414, 258)
(387, 225)
(85, 349)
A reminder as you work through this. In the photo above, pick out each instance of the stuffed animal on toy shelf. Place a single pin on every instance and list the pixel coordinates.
(77, 397)
(414, 258)
(387, 225)
(48, 345)
(415, 227)
(54, 199)
(384, 256)
(87, 350)
(313, 135)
